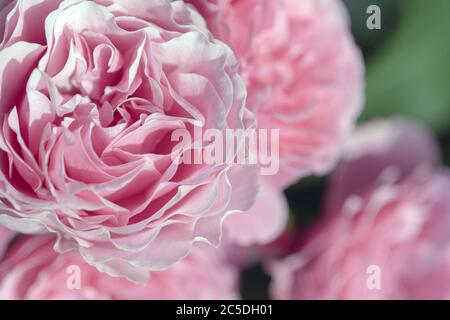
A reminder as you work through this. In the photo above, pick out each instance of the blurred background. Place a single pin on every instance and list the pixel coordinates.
(407, 73)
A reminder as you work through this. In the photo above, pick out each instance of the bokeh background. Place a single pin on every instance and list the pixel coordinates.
(407, 74)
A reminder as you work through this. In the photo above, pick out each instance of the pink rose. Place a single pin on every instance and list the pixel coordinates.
(32, 270)
(304, 76)
(303, 72)
(90, 94)
(385, 236)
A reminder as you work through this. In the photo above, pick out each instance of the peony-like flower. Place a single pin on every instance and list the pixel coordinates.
(303, 72)
(304, 77)
(31, 270)
(90, 94)
(385, 233)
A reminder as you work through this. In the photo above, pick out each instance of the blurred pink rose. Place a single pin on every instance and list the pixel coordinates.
(385, 235)
(90, 94)
(303, 72)
(32, 270)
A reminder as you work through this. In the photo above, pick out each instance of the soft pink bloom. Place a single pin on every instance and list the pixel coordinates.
(90, 92)
(304, 76)
(5, 237)
(32, 270)
(385, 235)
(303, 72)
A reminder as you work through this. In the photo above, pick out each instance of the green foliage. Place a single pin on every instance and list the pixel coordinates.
(410, 74)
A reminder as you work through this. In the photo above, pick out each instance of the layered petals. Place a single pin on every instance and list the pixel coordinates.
(31, 270)
(303, 72)
(86, 140)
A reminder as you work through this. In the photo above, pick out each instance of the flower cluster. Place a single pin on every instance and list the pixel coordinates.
(109, 108)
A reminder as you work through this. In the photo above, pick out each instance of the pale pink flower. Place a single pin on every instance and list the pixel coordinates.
(385, 233)
(304, 76)
(303, 72)
(90, 92)
(32, 270)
